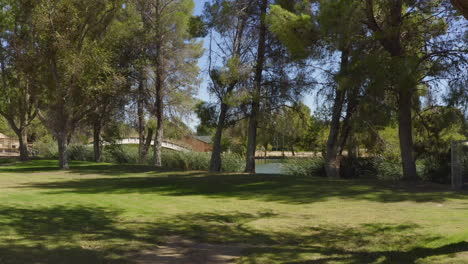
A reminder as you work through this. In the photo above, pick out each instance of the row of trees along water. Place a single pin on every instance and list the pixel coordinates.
(374, 67)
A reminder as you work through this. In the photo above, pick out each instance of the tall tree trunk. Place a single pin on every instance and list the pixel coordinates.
(23, 144)
(215, 163)
(332, 159)
(97, 140)
(62, 141)
(346, 129)
(391, 41)
(159, 104)
(353, 149)
(405, 132)
(141, 123)
(158, 143)
(159, 118)
(21, 132)
(253, 122)
(252, 137)
(147, 145)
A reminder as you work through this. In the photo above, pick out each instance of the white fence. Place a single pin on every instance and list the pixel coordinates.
(165, 144)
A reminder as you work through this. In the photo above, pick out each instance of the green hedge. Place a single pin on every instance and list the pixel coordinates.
(128, 154)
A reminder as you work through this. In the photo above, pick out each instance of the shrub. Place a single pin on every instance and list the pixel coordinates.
(388, 169)
(80, 152)
(128, 154)
(46, 148)
(232, 162)
(305, 167)
(200, 161)
(120, 154)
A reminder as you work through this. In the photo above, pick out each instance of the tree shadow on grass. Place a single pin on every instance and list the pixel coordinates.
(367, 243)
(59, 234)
(79, 167)
(65, 234)
(279, 188)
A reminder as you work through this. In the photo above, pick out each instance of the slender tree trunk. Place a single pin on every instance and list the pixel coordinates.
(390, 40)
(21, 132)
(158, 143)
(23, 144)
(332, 159)
(62, 141)
(147, 145)
(159, 105)
(141, 123)
(346, 129)
(160, 120)
(405, 132)
(97, 141)
(352, 148)
(252, 138)
(292, 151)
(215, 163)
(253, 122)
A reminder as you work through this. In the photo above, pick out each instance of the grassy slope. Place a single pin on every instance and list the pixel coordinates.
(107, 213)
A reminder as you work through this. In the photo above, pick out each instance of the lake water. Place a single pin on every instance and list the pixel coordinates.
(269, 166)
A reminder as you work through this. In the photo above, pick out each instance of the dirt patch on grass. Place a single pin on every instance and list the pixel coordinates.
(178, 250)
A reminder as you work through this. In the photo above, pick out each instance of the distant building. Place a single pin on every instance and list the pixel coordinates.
(206, 139)
(8, 146)
(198, 143)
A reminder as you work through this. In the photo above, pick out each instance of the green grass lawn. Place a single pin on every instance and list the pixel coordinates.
(103, 213)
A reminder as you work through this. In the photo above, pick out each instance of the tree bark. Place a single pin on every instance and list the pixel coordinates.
(405, 132)
(252, 138)
(332, 159)
(216, 163)
(97, 141)
(147, 145)
(462, 6)
(63, 151)
(253, 122)
(158, 143)
(23, 144)
(159, 85)
(159, 118)
(393, 45)
(141, 123)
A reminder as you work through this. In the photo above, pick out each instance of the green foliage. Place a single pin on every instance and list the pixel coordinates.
(207, 114)
(305, 167)
(338, 22)
(128, 154)
(197, 27)
(296, 31)
(46, 148)
(176, 129)
(121, 154)
(80, 152)
(435, 129)
(5, 128)
(388, 169)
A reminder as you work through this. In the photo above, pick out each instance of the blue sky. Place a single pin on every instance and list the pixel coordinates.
(203, 94)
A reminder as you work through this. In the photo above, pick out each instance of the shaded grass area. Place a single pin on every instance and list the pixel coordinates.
(7, 161)
(104, 213)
